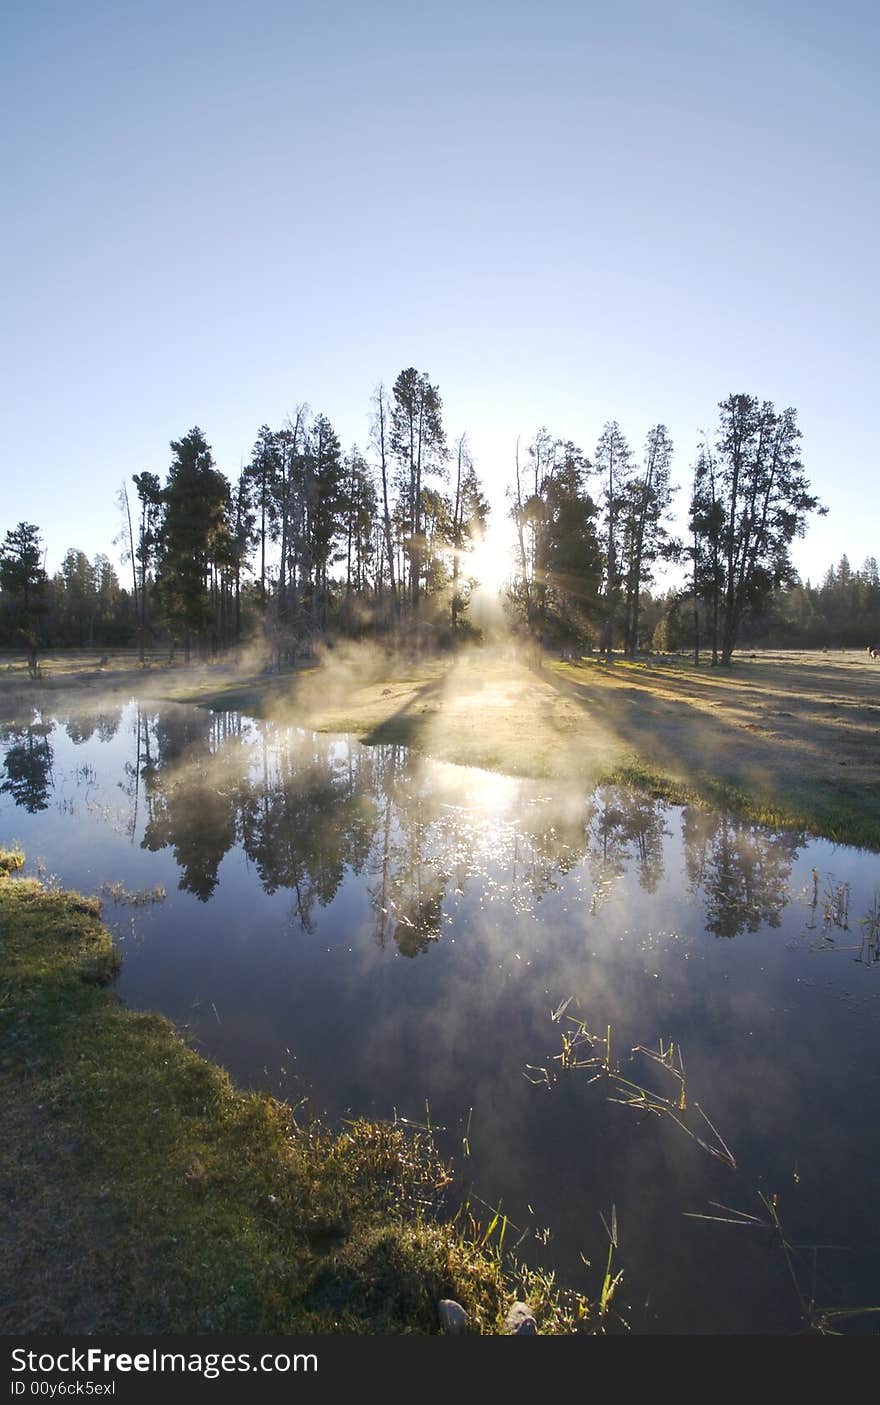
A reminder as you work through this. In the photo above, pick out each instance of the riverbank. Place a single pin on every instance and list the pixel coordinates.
(145, 1193)
(785, 739)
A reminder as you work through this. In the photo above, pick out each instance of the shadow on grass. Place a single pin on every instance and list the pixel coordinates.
(410, 723)
(733, 749)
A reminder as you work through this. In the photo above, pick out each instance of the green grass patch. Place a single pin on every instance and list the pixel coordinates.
(837, 817)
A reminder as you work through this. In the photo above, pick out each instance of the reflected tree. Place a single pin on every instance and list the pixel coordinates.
(624, 825)
(28, 764)
(419, 860)
(194, 793)
(306, 815)
(82, 726)
(742, 870)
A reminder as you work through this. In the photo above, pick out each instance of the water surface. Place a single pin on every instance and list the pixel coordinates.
(366, 931)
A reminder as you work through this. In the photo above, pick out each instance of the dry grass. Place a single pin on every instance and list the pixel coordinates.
(76, 665)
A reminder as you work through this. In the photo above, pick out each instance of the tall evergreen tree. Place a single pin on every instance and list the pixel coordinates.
(418, 442)
(560, 558)
(766, 499)
(613, 464)
(243, 537)
(22, 576)
(264, 472)
(380, 437)
(470, 512)
(646, 538)
(570, 558)
(111, 619)
(194, 534)
(79, 594)
(291, 498)
(359, 507)
(149, 491)
(325, 496)
(530, 518)
(707, 526)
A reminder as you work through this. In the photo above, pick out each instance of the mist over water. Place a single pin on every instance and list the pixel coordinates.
(363, 930)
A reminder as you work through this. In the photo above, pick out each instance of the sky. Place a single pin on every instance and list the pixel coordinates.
(564, 213)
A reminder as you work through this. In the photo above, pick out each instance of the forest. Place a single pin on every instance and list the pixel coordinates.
(310, 541)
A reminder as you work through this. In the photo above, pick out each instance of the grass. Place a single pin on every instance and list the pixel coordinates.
(579, 1048)
(63, 666)
(785, 739)
(142, 897)
(801, 1265)
(144, 1193)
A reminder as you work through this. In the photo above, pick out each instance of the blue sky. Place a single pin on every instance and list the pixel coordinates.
(565, 213)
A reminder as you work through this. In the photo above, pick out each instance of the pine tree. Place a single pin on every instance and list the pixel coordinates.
(263, 473)
(570, 558)
(470, 511)
(149, 493)
(766, 499)
(706, 525)
(418, 442)
(613, 464)
(380, 432)
(23, 577)
(78, 597)
(646, 538)
(194, 536)
(359, 508)
(560, 557)
(325, 496)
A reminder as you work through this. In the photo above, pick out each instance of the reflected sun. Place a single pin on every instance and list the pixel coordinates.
(491, 792)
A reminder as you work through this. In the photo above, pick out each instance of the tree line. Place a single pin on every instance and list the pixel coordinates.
(309, 539)
(841, 611)
(308, 535)
(586, 560)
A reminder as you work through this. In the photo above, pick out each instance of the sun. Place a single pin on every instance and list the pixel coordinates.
(490, 562)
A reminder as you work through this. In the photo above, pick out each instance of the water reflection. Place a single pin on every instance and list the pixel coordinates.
(82, 726)
(303, 814)
(829, 926)
(623, 826)
(27, 764)
(307, 808)
(742, 870)
(307, 867)
(191, 800)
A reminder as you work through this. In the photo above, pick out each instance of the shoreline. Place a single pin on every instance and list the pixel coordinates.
(150, 1195)
(783, 740)
(782, 743)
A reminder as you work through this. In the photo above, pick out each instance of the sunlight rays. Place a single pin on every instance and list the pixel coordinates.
(490, 562)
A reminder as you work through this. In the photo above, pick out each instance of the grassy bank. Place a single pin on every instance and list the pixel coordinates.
(144, 1193)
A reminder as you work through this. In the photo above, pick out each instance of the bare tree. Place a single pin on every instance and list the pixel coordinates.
(379, 433)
